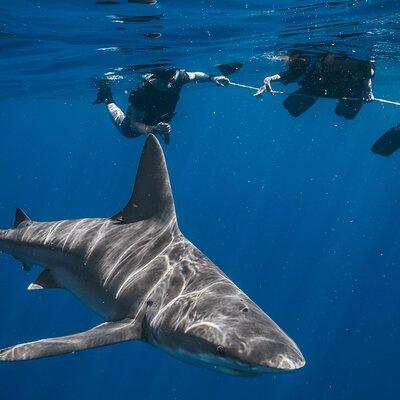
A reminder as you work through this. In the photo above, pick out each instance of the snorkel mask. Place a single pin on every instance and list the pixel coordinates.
(169, 76)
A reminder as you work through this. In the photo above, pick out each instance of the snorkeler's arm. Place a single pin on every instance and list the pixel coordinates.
(198, 77)
(138, 128)
(368, 87)
(273, 78)
(201, 77)
(142, 129)
(266, 87)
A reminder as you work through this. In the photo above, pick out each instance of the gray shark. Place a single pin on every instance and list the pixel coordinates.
(149, 283)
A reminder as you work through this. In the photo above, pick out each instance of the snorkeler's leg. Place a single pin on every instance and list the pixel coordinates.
(348, 108)
(299, 102)
(122, 123)
(116, 114)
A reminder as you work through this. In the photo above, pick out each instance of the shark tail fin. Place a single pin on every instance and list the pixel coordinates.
(21, 217)
(152, 195)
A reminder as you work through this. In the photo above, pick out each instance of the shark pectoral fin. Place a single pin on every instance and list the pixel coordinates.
(44, 281)
(152, 195)
(26, 266)
(102, 335)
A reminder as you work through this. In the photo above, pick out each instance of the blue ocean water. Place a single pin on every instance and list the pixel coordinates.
(297, 211)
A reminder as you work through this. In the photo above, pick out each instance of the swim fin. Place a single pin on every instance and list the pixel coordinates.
(388, 143)
(104, 93)
(348, 108)
(299, 102)
(229, 69)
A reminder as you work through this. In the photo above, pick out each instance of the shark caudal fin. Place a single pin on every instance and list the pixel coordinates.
(21, 217)
(152, 195)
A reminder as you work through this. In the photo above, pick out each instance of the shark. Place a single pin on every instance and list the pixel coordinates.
(148, 282)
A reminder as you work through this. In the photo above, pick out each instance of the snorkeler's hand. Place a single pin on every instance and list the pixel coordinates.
(370, 96)
(162, 128)
(264, 88)
(260, 91)
(221, 80)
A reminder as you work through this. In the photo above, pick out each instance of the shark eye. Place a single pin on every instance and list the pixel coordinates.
(221, 351)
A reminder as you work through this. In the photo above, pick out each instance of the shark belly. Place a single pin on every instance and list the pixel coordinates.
(85, 286)
(56, 251)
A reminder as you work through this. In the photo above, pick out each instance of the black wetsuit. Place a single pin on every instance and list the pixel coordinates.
(157, 105)
(338, 76)
(333, 76)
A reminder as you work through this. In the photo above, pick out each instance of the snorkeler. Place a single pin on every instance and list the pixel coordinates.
(152, 105)
(334, 76)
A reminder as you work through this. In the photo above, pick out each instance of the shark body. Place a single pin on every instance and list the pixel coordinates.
(149, 283)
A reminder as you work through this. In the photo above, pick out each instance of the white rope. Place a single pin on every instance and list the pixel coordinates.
(242, 86)
(395, 103)
(384, 101)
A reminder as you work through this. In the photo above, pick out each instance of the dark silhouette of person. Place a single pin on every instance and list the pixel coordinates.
(336, 76)
(152, 105)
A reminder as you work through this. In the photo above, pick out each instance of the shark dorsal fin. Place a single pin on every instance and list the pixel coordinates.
(20, 217)
(152, 195)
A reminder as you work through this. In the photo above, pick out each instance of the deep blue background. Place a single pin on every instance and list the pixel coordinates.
(298, 212)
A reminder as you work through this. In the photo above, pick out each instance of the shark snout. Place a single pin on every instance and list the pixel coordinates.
(288, 358)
